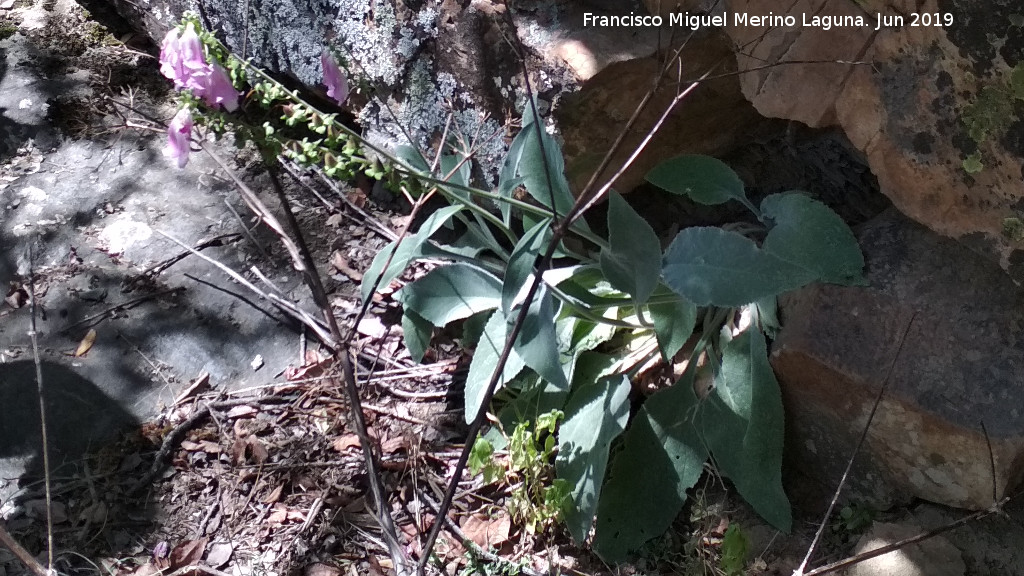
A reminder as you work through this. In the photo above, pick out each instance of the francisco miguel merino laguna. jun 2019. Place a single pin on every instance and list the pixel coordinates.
(824, 22)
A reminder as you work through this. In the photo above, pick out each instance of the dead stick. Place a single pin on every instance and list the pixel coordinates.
(20, 553)
(121, 306)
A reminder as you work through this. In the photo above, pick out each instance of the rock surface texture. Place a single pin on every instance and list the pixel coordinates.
(923, 99)
(932, 557)
(958, 368)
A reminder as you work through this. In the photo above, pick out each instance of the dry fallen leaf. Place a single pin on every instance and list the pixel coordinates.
(86, 344)
(371, 327)
(16, 297)
(315, 365)
(187, 553)
(357, 197)
(241, 412)
(487, 531)
(248, 448)
(274, 495)
(334, 220)
(342, 443)
(282, 514)
(340, 263)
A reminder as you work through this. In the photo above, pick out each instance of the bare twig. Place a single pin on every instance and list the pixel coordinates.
(167, 263)
(42, 410)
(20, 553)
(282, 304)
(117, 307)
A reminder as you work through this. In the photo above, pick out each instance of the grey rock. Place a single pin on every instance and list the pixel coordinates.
(958, 368)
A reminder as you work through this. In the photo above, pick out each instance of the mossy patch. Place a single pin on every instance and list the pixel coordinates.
(8, 27)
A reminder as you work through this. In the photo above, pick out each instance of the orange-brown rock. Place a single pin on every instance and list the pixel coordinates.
(709, 120)
(905, 96)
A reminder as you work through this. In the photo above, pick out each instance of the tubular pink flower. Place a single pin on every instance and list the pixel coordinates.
(214, 86)
(169, 57)
(179, 134)
(334, 78)
(191, 49)
(181, 57)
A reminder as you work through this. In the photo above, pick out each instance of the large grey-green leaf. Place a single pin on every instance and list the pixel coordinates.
(595, 415)
(451, 293)
(485, 360)
(632, 261)
(662, 457)
(809, 234)
(509, 180)
(408, 249)
(536, 342)
(461, 174)
(417, 332)
(543, 171)
(704, 179)
(411, 156)
(742, 422)
(673, 325)
(711, 266)
(519, 271)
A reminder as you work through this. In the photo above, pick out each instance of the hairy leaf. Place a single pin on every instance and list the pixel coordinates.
(409, 249)
(809, 234)
(711, 266)
(543, 169)
(417, 332)
(451, 293)
(485, 360)
(662, 457)
(536, 342)
(519, 271)
(632, 261)
(742, 421)
(461, 176)
(704, 179)
(673, 325)
(595, 415)
(509, 180)
(411, 156)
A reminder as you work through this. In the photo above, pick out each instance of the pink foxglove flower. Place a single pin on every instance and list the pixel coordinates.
(181, 57)
(182, 60)
(214, 86)
(179, 134)
(334, 78)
